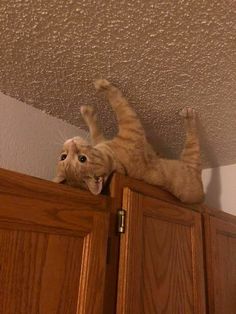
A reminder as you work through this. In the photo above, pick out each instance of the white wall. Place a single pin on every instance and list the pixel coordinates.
(220, 188)
(31, 140)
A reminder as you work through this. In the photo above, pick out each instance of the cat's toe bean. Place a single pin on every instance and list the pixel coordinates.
(86, 110)
(187, 112)
(183, 112)
(101, 84)
(191, 112)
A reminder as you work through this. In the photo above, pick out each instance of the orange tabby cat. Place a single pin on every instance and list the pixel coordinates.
(129, 153)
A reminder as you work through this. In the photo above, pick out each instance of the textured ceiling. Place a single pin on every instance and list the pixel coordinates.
(163, 54)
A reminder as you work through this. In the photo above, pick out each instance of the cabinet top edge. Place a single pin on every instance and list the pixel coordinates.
(218, 213)
(23, 185)
(118, 182)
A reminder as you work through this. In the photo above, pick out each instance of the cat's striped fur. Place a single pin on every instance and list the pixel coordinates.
(130, 153)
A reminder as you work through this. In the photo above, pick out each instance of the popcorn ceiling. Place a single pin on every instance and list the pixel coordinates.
(163, 54)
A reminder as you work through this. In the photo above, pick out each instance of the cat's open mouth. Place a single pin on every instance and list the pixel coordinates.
(94, 184)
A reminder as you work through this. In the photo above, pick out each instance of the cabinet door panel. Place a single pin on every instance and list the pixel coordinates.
(167, 267)
(53, 249)
(221, 253)
(39, 272)
(161, 260)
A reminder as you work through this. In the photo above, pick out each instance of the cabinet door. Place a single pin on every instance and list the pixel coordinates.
(53, 244)
(161, 258)
(221, 265)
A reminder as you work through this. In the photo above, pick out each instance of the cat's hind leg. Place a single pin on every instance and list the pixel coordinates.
(181, 177)
(90, 117)
(191, 151)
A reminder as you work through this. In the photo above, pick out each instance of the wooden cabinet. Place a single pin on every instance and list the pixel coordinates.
(161, 258)
(60, 251)
(53, 245)
(173, 258)
(220, 229)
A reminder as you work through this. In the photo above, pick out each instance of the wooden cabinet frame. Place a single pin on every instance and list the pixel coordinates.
(93, 274)
(53, 247)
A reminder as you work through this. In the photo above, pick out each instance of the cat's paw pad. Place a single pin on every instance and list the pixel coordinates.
(87, 111)
(188, 113)
(102, 84)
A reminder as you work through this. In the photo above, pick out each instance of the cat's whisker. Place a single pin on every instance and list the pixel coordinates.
(59, 140)
(62, 137)
(57, 144)
(87, 137)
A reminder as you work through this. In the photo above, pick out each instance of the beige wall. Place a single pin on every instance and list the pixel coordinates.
(220, 187)
(30, 140)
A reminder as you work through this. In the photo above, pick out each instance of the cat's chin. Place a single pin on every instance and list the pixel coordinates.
(63, 181)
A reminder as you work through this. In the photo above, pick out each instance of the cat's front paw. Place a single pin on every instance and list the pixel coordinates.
(102, 84)
(87, 111)
(188, 113)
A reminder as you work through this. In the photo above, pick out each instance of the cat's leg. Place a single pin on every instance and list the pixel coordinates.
(128, 120)
(187, 183)
(90, 117)
(181, 177)
(191, 151)
(185, 180)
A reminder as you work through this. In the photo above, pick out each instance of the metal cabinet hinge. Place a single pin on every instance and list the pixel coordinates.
(121, 221)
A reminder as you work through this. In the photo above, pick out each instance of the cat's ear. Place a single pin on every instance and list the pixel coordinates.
(94, 185)
(59, 178)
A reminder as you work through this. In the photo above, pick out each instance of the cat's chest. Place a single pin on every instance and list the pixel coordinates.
(134, 164)
(130, 158)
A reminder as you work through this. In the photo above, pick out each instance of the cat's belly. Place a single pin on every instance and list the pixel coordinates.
(132, 158)
(136, 174)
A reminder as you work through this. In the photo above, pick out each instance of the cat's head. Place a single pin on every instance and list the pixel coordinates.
(82, 165)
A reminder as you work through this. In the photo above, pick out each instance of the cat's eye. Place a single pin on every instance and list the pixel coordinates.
(82, 158)
(63, 157)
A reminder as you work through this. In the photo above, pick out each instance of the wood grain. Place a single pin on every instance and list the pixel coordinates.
(53, 241)
(212, 212)
(53, 244)
(39, 272)
(93, 269)
(221, 263)
(129, 290)
(19, 185)
(161, 258)
(110, 293)
(118, 182)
